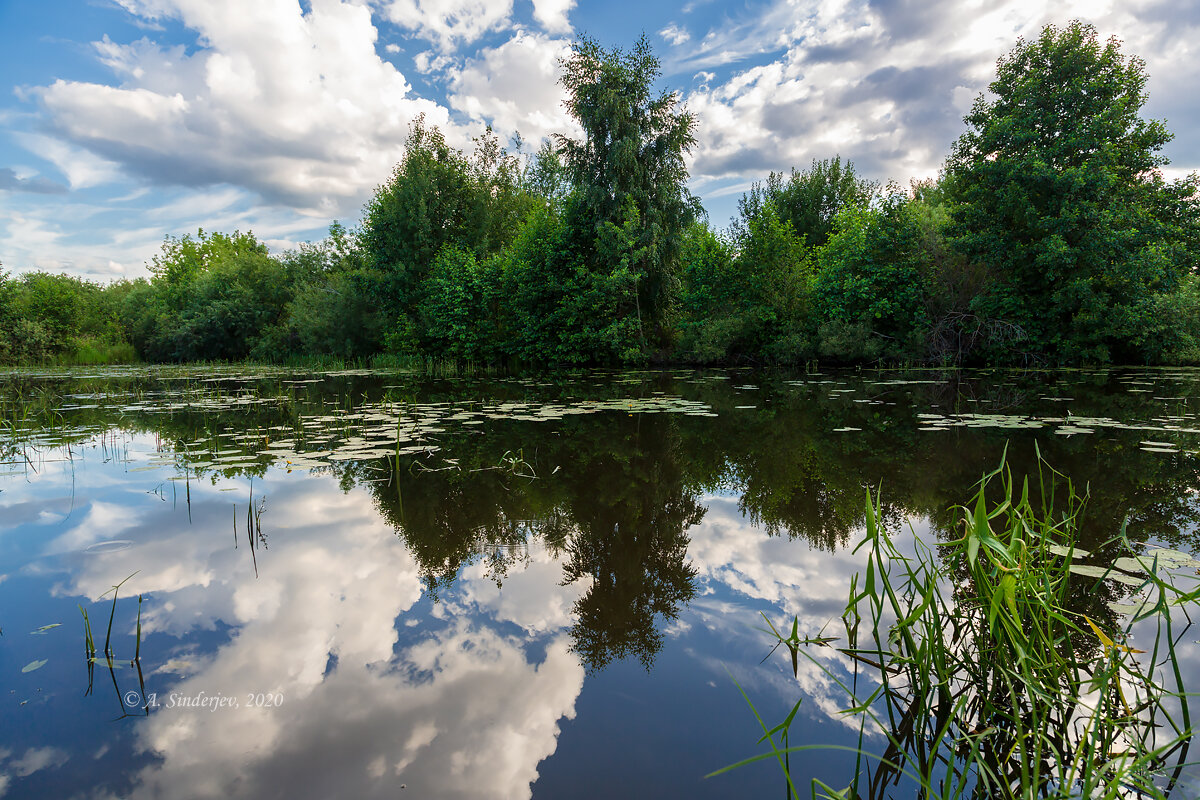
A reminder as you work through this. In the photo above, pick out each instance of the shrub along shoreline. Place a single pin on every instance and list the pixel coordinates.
(1050, 237)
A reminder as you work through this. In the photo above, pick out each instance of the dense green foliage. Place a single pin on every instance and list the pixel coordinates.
(812, 199)
(1057, 189)
(1051, 237)
(211, 297)
(438, 197)
(629, 207)
(872, 282)
(45, 316)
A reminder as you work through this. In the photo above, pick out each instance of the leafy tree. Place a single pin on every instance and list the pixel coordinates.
(630, 206)
(555, 309)
(958, 332)
(871, 285)
(458, 315)
(808, 200)
(438, 197)
(772, 267)
(546, 176)
(183, 259)
(1059, 193)
(335, 315)
(56, 303)
(333, 309)
(707, 332)
(1175, 326)
(210, 297)
(7, 316)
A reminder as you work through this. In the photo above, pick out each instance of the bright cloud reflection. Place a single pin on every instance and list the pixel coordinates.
(462, 711)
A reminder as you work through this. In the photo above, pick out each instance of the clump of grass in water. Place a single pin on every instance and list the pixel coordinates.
(109, 658)
(988, 685)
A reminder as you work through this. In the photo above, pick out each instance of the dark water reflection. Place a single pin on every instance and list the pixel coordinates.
(494, 588)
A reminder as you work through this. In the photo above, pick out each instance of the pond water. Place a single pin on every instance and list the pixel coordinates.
(360, 584)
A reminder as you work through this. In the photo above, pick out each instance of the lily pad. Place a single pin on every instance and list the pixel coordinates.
(1128, 609)
(32, 665)
(1107, 573)
(1131, 564)
(1171, 559)
(1059, 550)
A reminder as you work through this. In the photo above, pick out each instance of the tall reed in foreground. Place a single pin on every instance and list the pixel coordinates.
(984, 683)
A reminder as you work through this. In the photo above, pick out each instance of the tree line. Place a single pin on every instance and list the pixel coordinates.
(1050, 236)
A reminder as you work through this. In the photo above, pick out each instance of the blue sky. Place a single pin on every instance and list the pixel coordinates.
(129, 120)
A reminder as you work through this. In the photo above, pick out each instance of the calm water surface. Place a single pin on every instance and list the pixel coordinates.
(363, 585)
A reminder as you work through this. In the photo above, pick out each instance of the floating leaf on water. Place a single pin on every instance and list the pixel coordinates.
(1171, 559)
(42, 630)
(109, 662)
(1059, 550)
(1131, 564)
(1107, 573)
(1128, 609)
(32, 665)
(110, 546)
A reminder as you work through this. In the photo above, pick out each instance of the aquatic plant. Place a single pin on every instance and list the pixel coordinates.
(985, 683)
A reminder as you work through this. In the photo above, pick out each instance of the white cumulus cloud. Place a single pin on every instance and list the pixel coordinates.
(297, 107)
(886, 83)
(515, 86)
(554, 14)
(450, 23)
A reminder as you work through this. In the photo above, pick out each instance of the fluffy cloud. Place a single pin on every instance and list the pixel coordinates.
(113, 237)
(514, 87)
(553, 14)
(674, 34)
(296, 107)
(82, 168)
(35, 759)
(450, 23)
(886, 83)
(460, 710)
(736, 561)
(427, 734)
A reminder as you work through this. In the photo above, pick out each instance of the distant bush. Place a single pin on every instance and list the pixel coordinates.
(871, 289)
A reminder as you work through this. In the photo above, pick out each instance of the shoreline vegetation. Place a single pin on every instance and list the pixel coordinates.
(968, 672)
(1050, 237)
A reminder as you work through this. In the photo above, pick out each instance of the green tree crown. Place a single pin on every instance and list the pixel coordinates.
(1059, 194)
(630, 206)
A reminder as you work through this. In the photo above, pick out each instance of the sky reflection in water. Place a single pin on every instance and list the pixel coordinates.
(544, 594)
